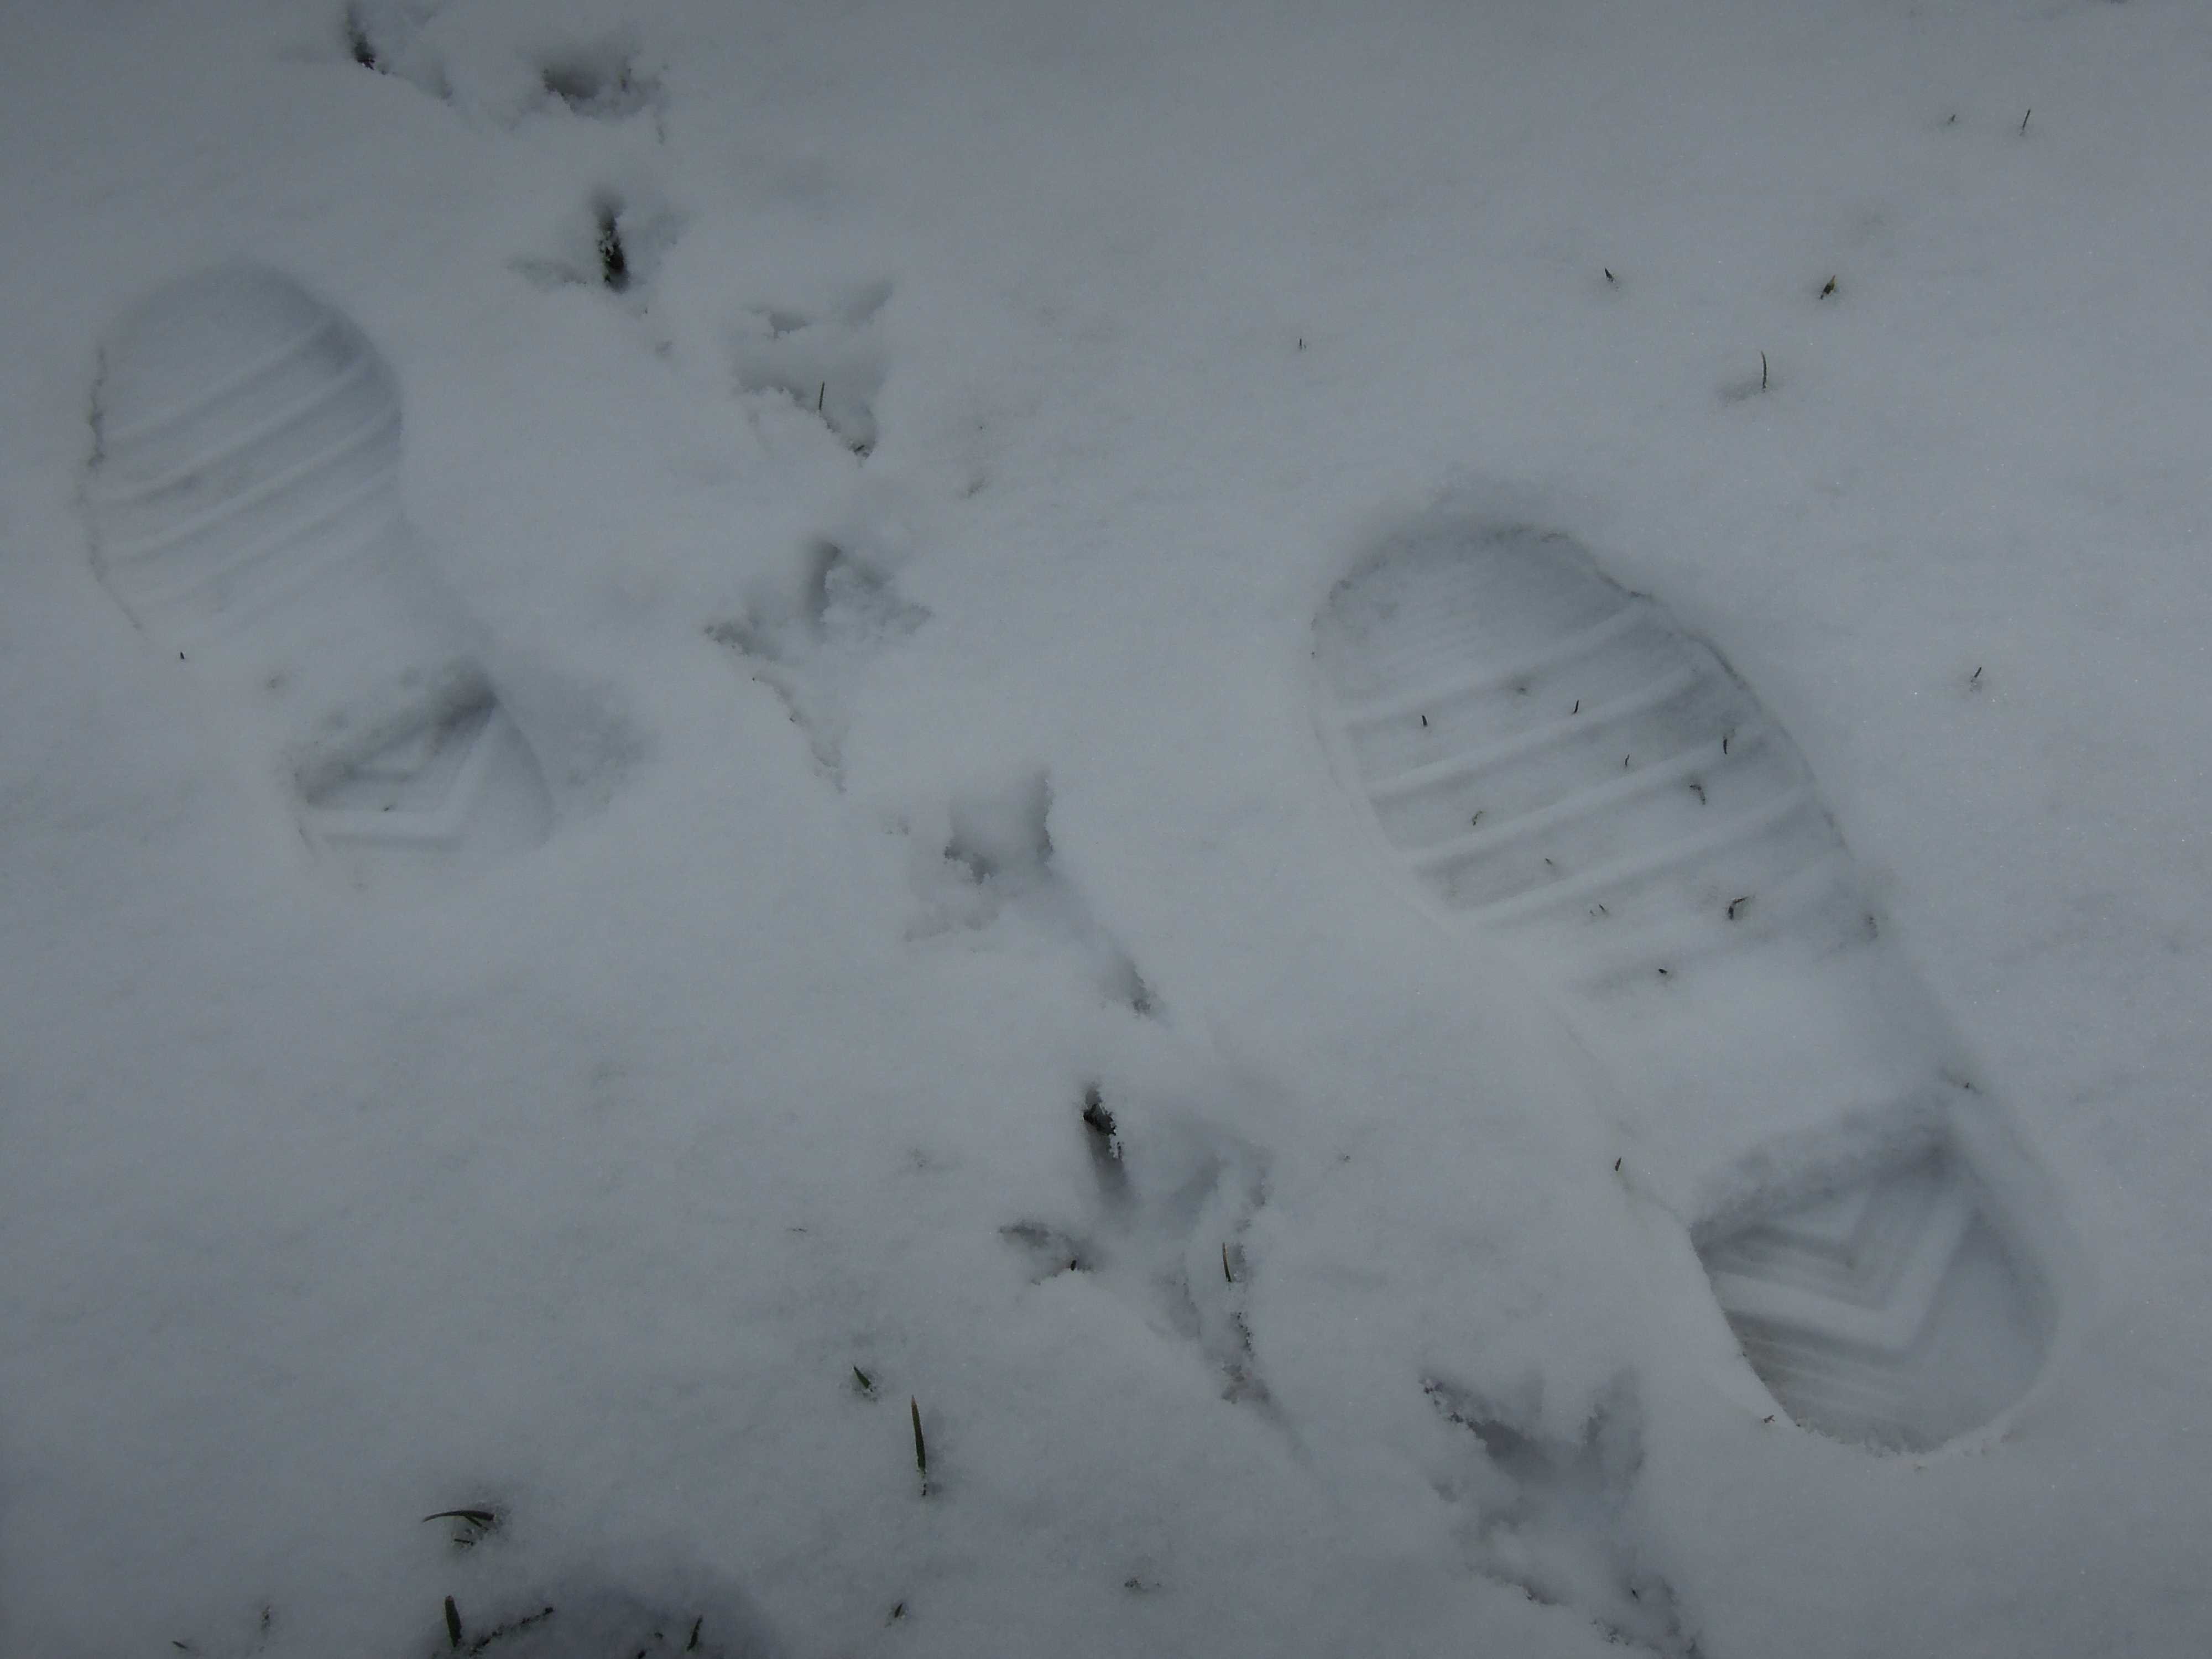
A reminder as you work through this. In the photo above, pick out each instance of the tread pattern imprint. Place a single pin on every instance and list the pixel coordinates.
(244, 499)
(1560, 767)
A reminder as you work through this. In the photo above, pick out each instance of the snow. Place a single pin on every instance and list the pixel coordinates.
(921, 764)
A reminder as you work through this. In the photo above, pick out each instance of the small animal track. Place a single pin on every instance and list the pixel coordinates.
(245, 509)
(387, 36)
(613, 243)
(828, 362)
(1174, 1202)
(812, 647)
(1557, 764)
(1549, 1515)
(600, 80)
(995, 868)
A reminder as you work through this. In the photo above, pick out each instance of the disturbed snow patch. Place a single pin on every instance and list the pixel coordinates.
(1165, 1231)
(813, 644)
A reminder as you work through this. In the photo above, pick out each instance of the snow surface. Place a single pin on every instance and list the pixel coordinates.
(926, 762)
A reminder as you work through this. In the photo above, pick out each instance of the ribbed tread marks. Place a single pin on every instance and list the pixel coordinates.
(1546, 749)
(245, 509)
(1554, 759)
(210, 509)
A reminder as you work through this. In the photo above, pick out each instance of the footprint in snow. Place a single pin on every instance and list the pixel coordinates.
(616, 242)
(1549, 1515)
(388, 38)
(812, 645)
(993, 868)
(603, 80)
(827, 361)
(983, 865)
(245, 509)
(1175, 1200)
(1558, 767)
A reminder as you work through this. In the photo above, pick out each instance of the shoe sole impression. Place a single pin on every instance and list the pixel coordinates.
(244, 501)
(1562, 770)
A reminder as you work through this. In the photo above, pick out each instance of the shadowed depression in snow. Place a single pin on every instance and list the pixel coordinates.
(971, 829)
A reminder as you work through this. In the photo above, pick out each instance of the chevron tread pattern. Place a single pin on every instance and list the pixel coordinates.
(1887, 1313)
